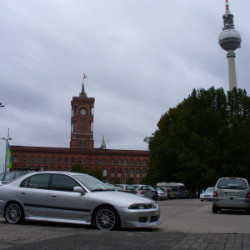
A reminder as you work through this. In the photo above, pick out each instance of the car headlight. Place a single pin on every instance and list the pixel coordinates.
(143, 206)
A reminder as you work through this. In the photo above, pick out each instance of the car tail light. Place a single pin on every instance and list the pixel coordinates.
(248, 195)
(215, 194)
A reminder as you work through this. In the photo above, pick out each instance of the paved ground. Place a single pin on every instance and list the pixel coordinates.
(186, 224)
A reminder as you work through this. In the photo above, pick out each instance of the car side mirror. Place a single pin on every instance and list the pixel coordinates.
(79, 190)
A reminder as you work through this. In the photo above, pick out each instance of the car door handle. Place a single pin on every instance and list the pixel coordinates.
(23, 193)
(53, 195)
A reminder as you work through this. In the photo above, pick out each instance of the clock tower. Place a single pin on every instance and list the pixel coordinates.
(82, 117)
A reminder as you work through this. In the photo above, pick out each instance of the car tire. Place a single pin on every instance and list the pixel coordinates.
(106, 218)
(214, 209)
(14, 213)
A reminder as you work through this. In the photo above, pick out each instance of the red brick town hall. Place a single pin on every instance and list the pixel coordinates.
(117, 165)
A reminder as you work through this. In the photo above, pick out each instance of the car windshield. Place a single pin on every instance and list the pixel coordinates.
(129, 187)
(92, 183)
(210, 189)
(232, 184)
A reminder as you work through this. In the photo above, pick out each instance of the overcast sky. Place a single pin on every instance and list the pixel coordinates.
(141, 57)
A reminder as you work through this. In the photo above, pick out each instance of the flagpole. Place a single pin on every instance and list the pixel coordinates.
(6, 150)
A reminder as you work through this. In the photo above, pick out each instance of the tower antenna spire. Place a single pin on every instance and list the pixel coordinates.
(83, 93)
(227, 7)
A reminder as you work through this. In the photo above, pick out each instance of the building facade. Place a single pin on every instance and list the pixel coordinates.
(118, 166)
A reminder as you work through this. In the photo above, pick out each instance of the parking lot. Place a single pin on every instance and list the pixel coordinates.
(186, 224)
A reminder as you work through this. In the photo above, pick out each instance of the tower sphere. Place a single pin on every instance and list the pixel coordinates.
(230, 39)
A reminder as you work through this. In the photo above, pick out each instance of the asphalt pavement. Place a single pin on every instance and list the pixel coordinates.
(186, 224)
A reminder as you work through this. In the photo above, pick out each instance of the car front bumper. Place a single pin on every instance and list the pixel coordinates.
(139, 218)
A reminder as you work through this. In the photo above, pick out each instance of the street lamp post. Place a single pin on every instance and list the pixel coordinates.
(6, 151)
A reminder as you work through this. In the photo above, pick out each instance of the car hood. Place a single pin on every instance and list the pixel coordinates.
(119, 199)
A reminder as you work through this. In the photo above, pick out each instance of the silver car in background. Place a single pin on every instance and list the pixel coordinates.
(74, 198)
(231, 193)
(143, 190)
(207, 195)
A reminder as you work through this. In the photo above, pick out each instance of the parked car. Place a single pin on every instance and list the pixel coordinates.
(231, 193)
(8, 176)
(161, 194)
(143, 190)
(69, 197)
(126, 188)
(207, 195)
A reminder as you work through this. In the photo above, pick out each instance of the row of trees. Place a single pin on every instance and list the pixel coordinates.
(205, 137)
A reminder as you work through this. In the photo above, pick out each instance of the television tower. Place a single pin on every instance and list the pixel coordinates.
(230, 40)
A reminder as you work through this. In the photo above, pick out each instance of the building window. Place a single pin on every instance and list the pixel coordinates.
(53, 159)
(83, 125)
(144, 172)
(138, 171)
(132, 172)
(39, 159)
(103, 162)
(119, 162)
(79, 160)
(32, 159)
(52, 168)
(72, 160)
(112, 161)
(45, 168)
(138, 163)
(131, 162)
(15, 159)
(144, 162)
(46, 159)
(66, 169)
(59, 168)
(86, 161)
(25, 159)
(66, 160)
(125, 162)
(96, 161)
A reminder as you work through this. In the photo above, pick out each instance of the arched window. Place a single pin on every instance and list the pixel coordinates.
(96, 161)
(103, 162)
(138, 163)
(53, 159)
(72, 160)
(86, 160)
(66, 160)
(132, 162)
(144, 162)
(126, 162)
(59, 159)
(25, 159)
(32, 159)
(46, 159)
(119, 162)
(112, 161)
(39, 159)
(79, 160)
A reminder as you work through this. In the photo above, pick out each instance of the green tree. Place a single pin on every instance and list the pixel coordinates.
(205, 137)
(78, 168)
(97, 173)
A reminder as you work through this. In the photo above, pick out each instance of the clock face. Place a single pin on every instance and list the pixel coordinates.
(83, 111)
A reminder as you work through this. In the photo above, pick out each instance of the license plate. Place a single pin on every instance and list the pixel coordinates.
(232, 194)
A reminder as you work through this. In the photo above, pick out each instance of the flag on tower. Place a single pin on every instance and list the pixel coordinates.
(9, 158)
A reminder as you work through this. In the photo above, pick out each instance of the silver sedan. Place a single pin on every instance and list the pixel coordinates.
(74, 198)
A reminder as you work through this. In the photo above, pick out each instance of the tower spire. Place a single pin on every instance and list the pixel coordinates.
(227, 7)
(230, 40)
(83, 93)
